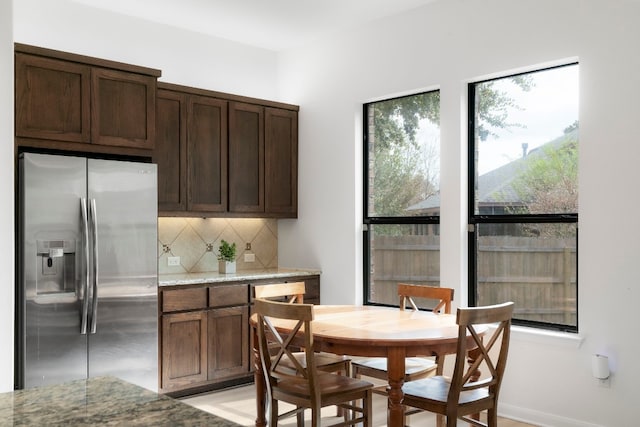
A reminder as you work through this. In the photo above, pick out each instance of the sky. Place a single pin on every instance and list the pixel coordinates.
(548, 108)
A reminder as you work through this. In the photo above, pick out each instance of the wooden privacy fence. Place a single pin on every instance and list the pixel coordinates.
(538, 274)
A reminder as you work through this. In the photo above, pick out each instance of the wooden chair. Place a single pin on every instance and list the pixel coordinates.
(294, 293)
(464, 395)
(415, 367)
(304, 385)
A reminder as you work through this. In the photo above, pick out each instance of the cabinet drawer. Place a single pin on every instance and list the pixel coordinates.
(228, 295)
(184, 299)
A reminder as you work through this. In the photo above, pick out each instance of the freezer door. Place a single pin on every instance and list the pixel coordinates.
(50, 348)
(123, 338)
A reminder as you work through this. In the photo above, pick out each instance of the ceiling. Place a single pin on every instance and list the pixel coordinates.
(270, 24)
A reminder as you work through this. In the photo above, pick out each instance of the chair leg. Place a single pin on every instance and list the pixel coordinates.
(492, 417)
(367, 405)
(273, 414)
(452, 421)
(315, 417)
(300, 419)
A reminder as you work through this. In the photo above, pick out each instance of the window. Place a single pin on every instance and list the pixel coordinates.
(523, 197)
(401, 195)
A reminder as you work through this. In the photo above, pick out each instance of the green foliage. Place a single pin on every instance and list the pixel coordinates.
(397, 120)
(548, 182)
(493, 105)
(227, 252)
(401, 172)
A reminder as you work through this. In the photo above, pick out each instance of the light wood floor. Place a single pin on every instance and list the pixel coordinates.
(238, 405)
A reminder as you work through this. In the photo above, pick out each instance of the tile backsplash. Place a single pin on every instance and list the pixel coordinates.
(196, 242)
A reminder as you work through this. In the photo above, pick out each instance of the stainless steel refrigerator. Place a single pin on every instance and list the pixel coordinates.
(87, 277)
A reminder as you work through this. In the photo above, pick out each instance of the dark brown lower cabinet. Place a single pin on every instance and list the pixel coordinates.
(184, 349)
(206, 341)
(228, 342)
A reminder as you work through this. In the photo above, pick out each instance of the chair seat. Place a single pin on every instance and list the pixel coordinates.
(324, 361)
(436, 390)
(329, 385)
(376, 367)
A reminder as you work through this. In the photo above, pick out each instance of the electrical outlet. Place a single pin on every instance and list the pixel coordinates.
(249, 257)
(173, 260)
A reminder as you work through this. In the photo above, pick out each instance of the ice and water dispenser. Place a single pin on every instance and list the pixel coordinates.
(56, 267)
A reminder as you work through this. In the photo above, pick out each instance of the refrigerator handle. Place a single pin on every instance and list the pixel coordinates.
(94, 231)
(85, 234)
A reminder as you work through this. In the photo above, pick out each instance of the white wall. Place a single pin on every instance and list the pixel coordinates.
(446, 45)
(6, 196)
(185, 57)
(443, 45)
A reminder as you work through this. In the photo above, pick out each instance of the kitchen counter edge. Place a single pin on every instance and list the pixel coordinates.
(215, 277)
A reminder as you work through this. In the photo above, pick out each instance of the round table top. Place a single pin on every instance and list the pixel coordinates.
(382, 326)
(372, 330)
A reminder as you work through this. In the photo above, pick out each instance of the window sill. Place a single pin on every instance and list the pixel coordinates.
(541, 336)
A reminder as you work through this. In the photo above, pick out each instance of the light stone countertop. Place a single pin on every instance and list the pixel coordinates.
(100, 401)
(215, 277)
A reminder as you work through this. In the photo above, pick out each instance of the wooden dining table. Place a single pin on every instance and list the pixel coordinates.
(373, 331)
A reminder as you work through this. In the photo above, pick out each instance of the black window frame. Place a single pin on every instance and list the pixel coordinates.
(476, 219)
(369, 221)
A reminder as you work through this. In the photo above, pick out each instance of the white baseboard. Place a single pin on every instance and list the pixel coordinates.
(540, 419)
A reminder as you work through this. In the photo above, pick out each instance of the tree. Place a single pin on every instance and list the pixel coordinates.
(493, 105)
(403, 172)
(548, 182)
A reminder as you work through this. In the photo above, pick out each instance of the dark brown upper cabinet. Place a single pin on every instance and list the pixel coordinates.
(122, 109)
(206, 154)
(225, 155)
(52, 99)
(281, 162)
(72, 102)
(171, 150)
(246, 158)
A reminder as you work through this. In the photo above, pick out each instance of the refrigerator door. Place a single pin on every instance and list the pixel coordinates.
(52, 272)
(123, 338)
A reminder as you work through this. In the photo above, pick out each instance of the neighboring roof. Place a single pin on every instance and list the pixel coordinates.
(495, 187)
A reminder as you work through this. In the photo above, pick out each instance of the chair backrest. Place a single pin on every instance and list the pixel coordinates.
(407, 292)
(293, 292)
(283, 364)
(489, 360)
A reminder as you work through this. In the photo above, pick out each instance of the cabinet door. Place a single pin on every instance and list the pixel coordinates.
(228, 342)
(123, 107)
(52, 99)
(170, 152)
(246, 158)
(206, 154)
(184, 349)
(281, 162)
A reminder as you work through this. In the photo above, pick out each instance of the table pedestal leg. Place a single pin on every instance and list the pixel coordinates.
(395, 372)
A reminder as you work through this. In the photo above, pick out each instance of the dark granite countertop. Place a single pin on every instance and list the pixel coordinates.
(215, 277)
(100, 401)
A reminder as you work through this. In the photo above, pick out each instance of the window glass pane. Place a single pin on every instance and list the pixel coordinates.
(403, 138)
(526, 141)
(533, 265)
(402, 253)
